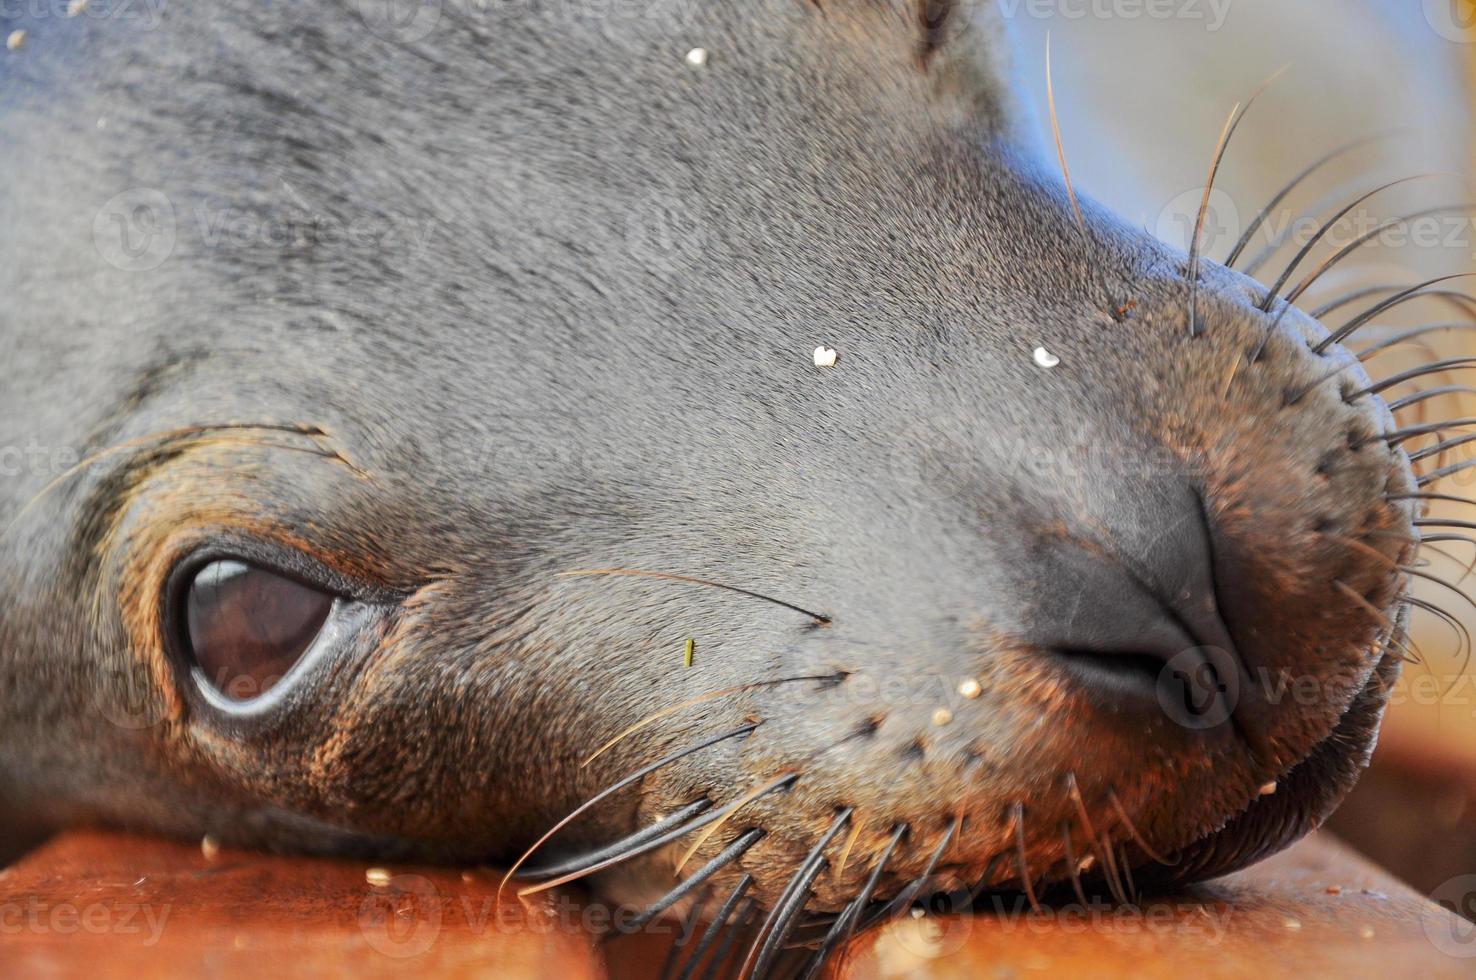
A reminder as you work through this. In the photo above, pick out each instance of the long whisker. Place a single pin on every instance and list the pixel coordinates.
(820, 619)
(1022, 863)
(1364, 239)
(1423, 429)
(1372, 350)
(752, 794)
(1265, 212)
(845, 927)
(1398, 299)
(1419, 396)
(700, 699)
(1464, 302)
(688, 923)
(909, 894)
(727, 856)
(1071, 863)
(780, 923)
(614, 788)
(662, 826)
(1132, 830)
(1442, 447)
(1419, 372)
(1430, 496)
(645, 847)
(1286, 274)
(1056, 131)
(720, 923)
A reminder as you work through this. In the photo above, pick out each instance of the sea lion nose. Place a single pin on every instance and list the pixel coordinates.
(1130, 610)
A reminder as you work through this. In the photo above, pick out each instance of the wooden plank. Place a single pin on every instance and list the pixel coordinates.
(103, 904)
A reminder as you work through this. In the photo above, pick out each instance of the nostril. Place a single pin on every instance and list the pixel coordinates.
(1124, 672)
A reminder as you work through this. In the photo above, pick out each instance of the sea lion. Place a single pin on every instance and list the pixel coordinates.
(429, 441)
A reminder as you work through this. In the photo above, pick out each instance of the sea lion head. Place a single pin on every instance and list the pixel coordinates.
(464, 456)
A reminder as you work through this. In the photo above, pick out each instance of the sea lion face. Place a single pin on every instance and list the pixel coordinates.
(1042, 569)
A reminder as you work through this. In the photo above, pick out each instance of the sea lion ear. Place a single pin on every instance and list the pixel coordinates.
(963, 46)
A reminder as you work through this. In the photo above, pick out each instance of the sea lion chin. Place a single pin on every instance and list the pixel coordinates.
(462, 465)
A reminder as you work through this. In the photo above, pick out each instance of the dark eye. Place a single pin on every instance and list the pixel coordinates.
(246, 627)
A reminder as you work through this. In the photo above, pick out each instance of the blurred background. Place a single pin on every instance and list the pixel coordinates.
(1142, 92)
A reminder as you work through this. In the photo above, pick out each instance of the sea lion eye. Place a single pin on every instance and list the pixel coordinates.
(246, 627)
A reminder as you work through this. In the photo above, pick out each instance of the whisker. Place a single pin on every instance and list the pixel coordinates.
(656, 829)
(1022, 862)
(719, 923)
(1366, 353)
(1423, 429)
(689, 580)
(748, 797)
(1463, 635)
(1464, 302)
(1274, 292)
(645, 847)
(1364, 239)
(1074, 791)
(1443, 472)
(1441, 447)
(1430, 496)
(1265, 212)
(1071, 861)
(614, 788)
(1448, 364)
(720, 957)
(1409, 570)
(1231, 124)
(1420, 396)
(1056, 131)
(700, 699)
(1398, 299)
(845, 927)
(688, 923)
(777, 928)
(168, 435)
(1110, 871)
(1132, 830)
(909, 894)
(856, 827)
(727, 856)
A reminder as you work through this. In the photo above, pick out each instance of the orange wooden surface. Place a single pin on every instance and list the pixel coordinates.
(99, 905)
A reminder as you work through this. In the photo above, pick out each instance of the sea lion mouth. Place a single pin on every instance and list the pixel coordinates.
(1300, 799)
